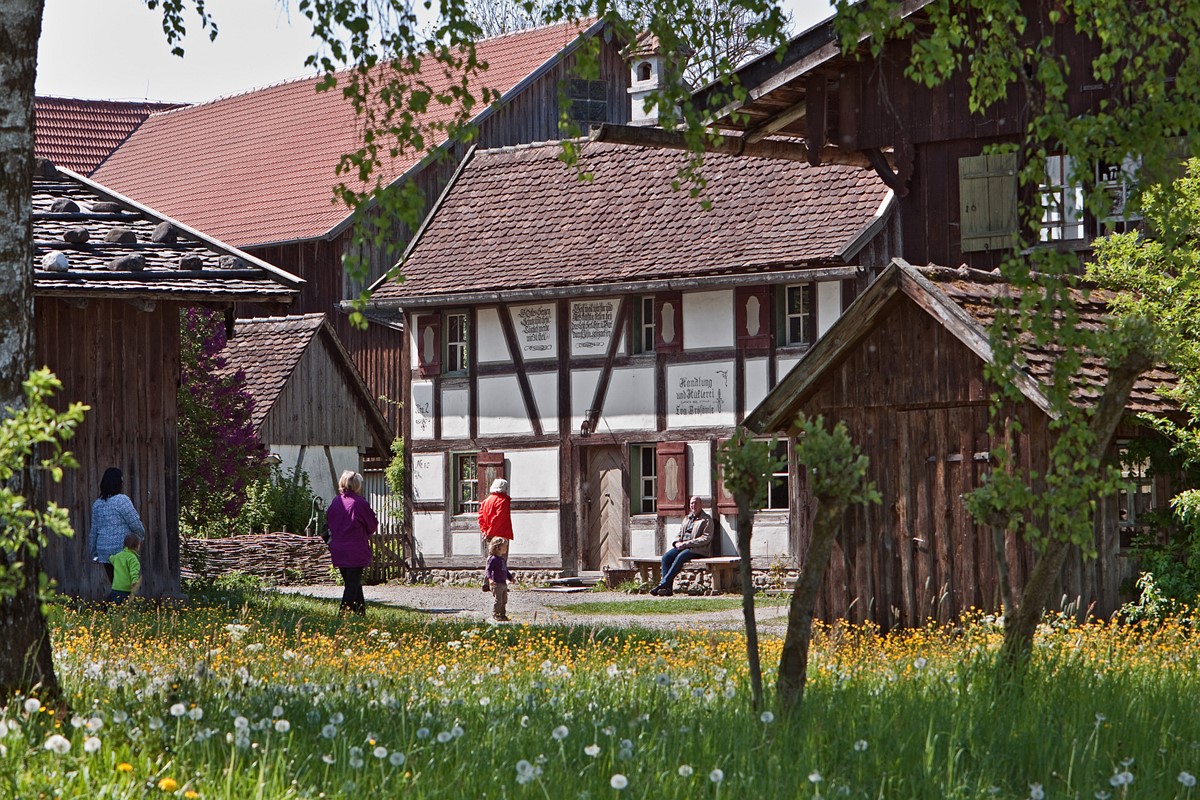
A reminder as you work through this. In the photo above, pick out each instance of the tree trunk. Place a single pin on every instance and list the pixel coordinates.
(793, 664)
(26, 661)
(745, 523)
(1021, 623)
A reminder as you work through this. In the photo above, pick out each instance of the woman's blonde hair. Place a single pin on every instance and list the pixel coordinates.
(350, 481)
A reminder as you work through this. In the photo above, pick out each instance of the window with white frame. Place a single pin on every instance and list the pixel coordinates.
(643, 325)
(643, 495)
(1062, 201)
(799, 314)
(456, 335)
(778, 491)
(1117, 182)
(466, 483)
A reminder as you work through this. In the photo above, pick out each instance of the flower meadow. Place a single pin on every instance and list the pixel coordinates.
(280, 698)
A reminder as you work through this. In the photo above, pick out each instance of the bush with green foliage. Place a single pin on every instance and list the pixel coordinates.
(281, 500)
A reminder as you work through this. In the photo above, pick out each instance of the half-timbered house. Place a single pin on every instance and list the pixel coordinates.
(924, 424)
(258, 169)
(591, 334)
(311, 408)
(110, 279)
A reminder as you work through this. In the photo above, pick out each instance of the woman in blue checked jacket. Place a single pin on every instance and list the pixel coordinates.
(113, 518)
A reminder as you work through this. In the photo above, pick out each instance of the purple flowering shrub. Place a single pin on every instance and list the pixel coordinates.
(219, 452)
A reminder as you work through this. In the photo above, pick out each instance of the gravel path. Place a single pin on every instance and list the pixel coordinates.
(531, 606)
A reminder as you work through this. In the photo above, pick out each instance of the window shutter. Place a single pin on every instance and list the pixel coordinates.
(488, 467)
(987, 190)
(429, 345)
(668, 318)
(753, 315)
(726, 505)
(671, 458)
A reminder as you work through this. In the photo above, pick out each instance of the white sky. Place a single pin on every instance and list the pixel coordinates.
(116, 50)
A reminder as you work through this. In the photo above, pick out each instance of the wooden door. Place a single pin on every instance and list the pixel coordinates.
(603, 539)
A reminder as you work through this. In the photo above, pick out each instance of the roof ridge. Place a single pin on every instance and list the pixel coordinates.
(282, 318)
(514, 148)
(583, 24)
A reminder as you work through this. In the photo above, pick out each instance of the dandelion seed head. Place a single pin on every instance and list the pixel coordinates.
(58, 744)
(397, 759)
(716, 776)
(1187, 779)
(559, 733)
(618, 781)
(592, 750)
(32, 705)
(860, 746)
(685, 770)
(767, 717)
(282, 725)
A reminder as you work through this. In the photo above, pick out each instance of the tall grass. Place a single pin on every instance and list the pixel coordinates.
(273, 697)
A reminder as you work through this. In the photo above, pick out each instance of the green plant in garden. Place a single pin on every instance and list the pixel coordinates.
(32, 439)
(746, 468)
(281, 500)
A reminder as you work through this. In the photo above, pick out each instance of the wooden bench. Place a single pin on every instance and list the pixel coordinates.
(724, 570)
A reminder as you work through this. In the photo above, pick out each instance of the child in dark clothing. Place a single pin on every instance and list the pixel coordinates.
(498, 576)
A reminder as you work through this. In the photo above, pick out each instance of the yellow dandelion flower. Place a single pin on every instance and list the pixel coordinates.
(124, 766)
(168, 784)
(191, 794)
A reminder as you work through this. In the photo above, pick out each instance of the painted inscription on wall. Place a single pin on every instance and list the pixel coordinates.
(700, 393)
(591, 325)
(536, 330)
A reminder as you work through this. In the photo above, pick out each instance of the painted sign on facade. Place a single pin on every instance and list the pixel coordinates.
(536, 331)
(700, 395)
(592, 326)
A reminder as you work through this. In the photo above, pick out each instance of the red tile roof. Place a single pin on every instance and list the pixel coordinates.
(259, 168)
(518, 218)
(80, 134)
(193, 267)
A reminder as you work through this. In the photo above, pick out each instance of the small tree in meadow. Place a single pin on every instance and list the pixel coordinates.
(836, 473)
(746, 469)
(220, 455)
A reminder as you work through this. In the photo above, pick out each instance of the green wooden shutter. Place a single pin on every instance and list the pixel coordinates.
(987, 190)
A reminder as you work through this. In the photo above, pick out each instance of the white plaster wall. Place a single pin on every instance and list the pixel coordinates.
(533, 474)
(629, 402)
(501, 408)
(583, 387)
(700, 395)
(545, 389)
(726, 533)
(427, 530)
(421, 406)
(700, 471)
(785, 366)
(641, 539)
(536, 327)
(708, 320)
(454, 414)
(757, 377)
(829, 305)
(535, 533)
(770, 535)
(467, 543)
(429, 477)
(411, 324)
(491, 347)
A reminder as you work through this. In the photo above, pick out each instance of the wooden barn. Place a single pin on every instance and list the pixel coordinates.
(923, 422)
(955, 205)
(81, 134)
(111, 278)
(258, 169)
(311, 407)
(593, 340)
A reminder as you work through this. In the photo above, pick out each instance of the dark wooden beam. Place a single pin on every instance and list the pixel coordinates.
(776, 122)
(815, 100)
(733, 145)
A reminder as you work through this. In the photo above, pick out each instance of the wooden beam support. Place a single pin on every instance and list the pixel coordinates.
(776, 123)
(734, 145)
(815, 99)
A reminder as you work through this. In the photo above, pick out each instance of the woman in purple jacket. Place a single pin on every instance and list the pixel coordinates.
(351, 523)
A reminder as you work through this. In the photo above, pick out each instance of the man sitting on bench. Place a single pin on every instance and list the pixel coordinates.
(695, 538)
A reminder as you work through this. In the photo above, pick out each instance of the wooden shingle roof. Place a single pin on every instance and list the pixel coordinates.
(90, 242)
(267, 351)
(964, 302)
(259, 168)
(518, 218)
(80, 134)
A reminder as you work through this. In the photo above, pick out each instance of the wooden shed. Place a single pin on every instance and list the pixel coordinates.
(904, 369)
(311, 407)
(110, 280)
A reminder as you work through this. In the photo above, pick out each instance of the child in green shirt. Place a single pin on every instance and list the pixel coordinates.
(127, 570)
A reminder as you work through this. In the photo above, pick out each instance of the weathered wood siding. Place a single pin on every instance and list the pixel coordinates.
(317, 406)
(124, 363)
(919, 555)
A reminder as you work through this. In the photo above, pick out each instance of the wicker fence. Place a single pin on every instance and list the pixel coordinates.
(285, 558)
